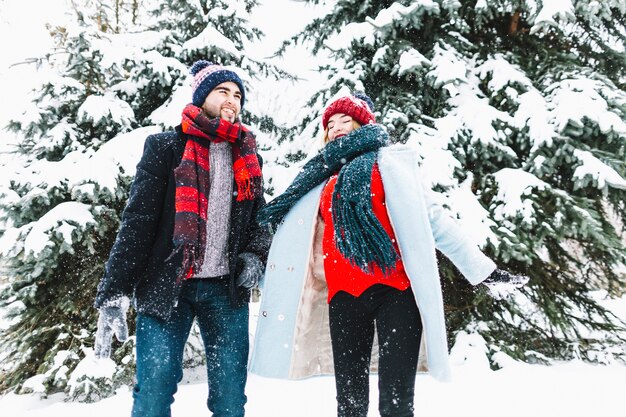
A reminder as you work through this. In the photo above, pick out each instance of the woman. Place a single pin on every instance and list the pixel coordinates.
(354, 255)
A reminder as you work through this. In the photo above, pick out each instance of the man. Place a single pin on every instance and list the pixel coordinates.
(189, 248)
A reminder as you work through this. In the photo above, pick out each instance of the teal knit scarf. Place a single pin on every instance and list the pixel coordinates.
(360, 237)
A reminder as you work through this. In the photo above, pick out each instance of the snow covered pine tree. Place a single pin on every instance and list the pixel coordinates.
(518, 109)
(119, 74)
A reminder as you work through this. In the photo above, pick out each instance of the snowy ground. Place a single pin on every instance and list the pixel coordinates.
(569, 389)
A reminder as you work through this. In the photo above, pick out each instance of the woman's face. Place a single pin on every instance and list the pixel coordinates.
(339, 125)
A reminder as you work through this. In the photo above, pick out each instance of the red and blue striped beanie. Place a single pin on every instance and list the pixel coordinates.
(207, 76)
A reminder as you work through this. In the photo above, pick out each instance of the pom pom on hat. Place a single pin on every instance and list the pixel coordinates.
(361, 95)
(207, 76)
(199, 65)
(358, 106)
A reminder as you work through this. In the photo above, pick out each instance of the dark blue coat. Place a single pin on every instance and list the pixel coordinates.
(138, 264)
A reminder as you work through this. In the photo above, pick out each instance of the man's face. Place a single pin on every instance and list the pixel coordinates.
(223, 101)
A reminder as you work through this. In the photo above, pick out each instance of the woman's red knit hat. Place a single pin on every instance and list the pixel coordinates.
(358, 106)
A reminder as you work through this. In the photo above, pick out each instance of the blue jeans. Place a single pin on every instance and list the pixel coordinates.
(160, 346)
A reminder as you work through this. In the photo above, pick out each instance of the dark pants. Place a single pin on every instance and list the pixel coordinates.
(160, 346)
(398, 323)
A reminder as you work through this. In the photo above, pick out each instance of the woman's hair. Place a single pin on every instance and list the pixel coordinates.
(355, 126)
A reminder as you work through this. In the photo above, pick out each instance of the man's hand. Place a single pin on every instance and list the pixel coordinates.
(112, 321)
(251, 270)
(502, 283)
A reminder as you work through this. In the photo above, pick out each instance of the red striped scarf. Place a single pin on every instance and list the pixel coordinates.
(192, 179)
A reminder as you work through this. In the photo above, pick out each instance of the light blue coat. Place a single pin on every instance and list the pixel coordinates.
(292, 338)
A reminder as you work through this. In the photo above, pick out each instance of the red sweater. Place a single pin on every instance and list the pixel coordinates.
(341, 275)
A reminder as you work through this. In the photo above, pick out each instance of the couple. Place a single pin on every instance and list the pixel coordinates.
(353, 256)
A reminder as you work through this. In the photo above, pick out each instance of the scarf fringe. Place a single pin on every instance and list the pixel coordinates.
(360, 237)
(189, 263)
(246, 189)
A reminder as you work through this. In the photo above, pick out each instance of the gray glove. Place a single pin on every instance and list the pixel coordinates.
(502, 283)
(251, 270)
(112, 321)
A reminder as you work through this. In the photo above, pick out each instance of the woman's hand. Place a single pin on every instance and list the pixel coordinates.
(502, 283)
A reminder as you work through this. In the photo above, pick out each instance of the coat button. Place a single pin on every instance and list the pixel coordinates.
(272, 267)
(281, 317)
(264, 313)
(290, 268)
(300, 221)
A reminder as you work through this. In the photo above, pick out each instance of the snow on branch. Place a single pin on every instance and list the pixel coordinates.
(502, 73)
(411, 60)
(397, 12)
(36, 236)
(447, 68)
(104, 110)
(533, 113)
(575, 100)
(594, 170)
(351, 32)
(211, 37)
(365, 31)
(552, 11)
(513, 186)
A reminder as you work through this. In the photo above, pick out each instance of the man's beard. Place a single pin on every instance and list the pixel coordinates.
(211, 114)
(217, 114)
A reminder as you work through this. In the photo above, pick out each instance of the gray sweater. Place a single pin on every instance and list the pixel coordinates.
(218, 214)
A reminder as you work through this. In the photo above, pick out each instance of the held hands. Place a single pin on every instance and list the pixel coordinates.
(112, 321)
(502, 283)
(251, 270)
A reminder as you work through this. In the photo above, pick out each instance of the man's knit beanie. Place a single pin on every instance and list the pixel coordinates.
(357, 105)
(207, 76)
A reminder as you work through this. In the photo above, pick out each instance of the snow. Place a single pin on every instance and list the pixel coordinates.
(517, 389)
(447, 68)
(552, 11)
(574, 101)
(473, 114)
(396, 12)
(230, 10)
(437, 162)
(166, 114)
(481, 4)
(502, 73)
(473, 218)
(92, 368)
(123, 151)
(213, 38)
(77, 169)
(513, 186)
(533, 113)
(61, 220)
(351, 32)
(102, 109)
(411, 60)
(601, 174)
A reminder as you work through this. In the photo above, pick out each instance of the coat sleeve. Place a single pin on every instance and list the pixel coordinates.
(259, 237)
(453, 242)
(140, 220)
